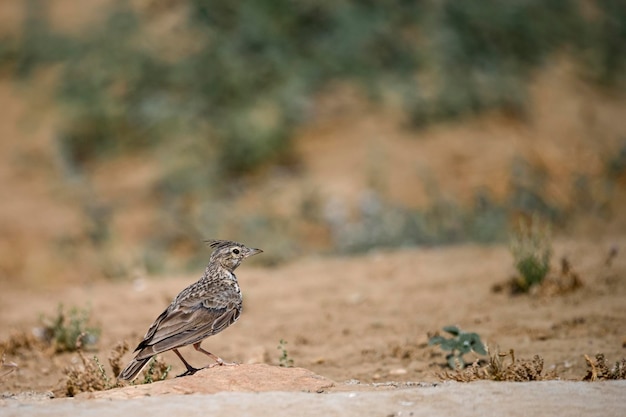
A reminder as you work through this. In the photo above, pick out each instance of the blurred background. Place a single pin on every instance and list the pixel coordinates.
(132, 130)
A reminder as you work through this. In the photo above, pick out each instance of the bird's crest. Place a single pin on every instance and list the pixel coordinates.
(217, 244)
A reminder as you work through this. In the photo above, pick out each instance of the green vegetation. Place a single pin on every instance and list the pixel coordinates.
(444, 222)
(220, 96)
(284, 360)
(156, 371)
(458, 345)
(69, 331)
(531, 250)
(238, 78)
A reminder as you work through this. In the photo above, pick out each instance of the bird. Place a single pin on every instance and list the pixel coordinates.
(203, 309)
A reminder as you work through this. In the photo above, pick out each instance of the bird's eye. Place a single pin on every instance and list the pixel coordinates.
(236, 251)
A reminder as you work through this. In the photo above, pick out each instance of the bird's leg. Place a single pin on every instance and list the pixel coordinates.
(190, 369)
(218, 361)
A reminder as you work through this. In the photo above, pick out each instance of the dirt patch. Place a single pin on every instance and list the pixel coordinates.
(363, 318)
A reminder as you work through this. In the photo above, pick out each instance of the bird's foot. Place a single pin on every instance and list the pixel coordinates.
(190, 371)
(220, 362)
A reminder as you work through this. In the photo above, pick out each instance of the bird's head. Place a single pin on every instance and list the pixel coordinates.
(230, 254)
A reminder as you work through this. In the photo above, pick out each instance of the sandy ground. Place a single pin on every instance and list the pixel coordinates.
(363, 318)
(359, 321)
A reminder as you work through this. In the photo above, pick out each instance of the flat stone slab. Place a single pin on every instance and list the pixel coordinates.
(514, 399)
(242, 378)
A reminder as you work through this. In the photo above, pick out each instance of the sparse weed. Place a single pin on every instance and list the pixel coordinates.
(67, 331)
(459, 344)
(553, 284)
(157, 370)
(564, 282)
(6, 367)
(19, 341)
(599, 369)
(531, 250)
(115, 357)
(518, 370)
(91, 375)
(284, 360)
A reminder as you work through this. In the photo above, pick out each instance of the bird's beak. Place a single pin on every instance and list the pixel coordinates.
(253, 251)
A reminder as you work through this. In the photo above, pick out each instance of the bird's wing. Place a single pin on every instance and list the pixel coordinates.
(190, 322)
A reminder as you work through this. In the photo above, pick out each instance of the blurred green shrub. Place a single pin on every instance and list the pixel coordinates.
(221, 95)
(531, 249)
(241, 77)
(69, 331)
(444, 221)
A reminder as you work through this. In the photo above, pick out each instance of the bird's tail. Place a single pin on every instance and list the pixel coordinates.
(133, 368)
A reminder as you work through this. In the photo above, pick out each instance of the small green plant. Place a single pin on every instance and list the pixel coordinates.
(67, 331)
(531, 250)
(458, 345)
(103, 373)
(284, 360)
(157, 371)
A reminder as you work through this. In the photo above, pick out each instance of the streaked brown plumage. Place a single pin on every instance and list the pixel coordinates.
(201, 310)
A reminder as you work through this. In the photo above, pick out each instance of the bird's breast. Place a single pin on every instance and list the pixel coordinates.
(232, 281)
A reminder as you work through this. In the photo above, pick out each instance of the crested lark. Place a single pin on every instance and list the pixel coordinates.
(201, 310)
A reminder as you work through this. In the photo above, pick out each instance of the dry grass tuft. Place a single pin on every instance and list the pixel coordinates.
(554, 284)
(6, 367)
(58, 333)
(557, 284)
(599, 369)
(91, 375)
(115, 357)
(20, 341)
(518, 370)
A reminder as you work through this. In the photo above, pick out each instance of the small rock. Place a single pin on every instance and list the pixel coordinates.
(399, 371)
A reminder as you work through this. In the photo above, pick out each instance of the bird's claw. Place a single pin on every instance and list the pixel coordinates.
(221, 362)
(189, 371)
